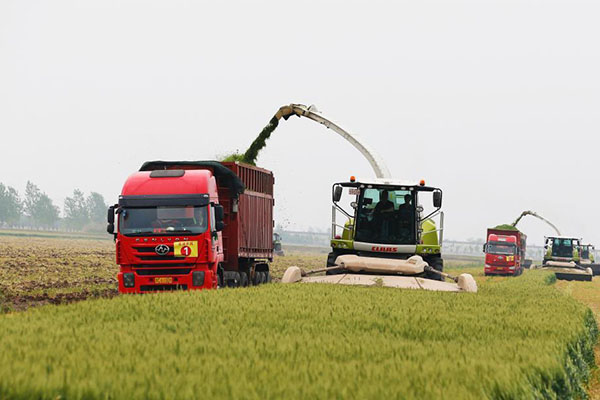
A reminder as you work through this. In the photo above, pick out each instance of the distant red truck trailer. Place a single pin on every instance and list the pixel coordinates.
(504, 252)
(185, 225)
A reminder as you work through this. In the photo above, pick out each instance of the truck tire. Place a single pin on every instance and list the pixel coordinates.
(233, 279)
(267, 277)
(243, 279)
(256, 278)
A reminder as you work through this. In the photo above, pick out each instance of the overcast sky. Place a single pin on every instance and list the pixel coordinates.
(496, 102)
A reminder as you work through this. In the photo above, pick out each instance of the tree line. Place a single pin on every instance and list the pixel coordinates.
(36, 210)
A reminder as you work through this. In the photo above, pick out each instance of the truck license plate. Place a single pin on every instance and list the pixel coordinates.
(163, 280)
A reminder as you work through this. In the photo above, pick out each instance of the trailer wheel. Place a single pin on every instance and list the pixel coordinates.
(267, 277)
(243, 279)
(234, 280)
(256, 278)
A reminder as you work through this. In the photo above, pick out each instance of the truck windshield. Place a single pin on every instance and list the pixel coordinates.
(506, 249)
(386, 216)
(163, 220)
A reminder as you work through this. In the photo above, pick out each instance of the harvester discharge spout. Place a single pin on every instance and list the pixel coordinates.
(536, 215)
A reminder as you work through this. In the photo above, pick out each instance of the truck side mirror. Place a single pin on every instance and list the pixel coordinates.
(337, 193)
(110, 217)
(437, 199)
(485, 247)
(219, 216)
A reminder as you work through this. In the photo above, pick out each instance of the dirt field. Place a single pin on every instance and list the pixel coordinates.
(46, 270)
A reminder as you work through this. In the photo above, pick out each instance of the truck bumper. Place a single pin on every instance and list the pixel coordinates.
(132, 282)
(501, 270)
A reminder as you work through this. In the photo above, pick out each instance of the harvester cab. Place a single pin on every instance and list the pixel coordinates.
(587, 258)
(277, 246)
(586, 253)
(386, 220)
(562, 255)
(562, 248)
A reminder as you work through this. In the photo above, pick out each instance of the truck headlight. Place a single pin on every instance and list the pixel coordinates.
(128, 280)
(198, 278)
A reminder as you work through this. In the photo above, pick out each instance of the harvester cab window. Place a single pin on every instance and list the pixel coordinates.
(163, 220)
(585, 252)
(562, 247)
(386, 216)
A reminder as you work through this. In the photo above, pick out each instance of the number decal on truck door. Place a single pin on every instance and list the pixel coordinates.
(186, 249)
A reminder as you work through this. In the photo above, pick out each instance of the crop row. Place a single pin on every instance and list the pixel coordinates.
(517, 338)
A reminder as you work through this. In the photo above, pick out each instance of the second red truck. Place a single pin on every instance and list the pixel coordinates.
(504, 252)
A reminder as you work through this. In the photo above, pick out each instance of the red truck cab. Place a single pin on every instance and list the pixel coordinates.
(504, 253)
(171, 227)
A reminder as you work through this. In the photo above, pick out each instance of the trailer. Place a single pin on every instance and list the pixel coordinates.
(185, 225)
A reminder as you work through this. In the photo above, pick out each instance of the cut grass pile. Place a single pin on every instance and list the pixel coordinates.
(516, 338)
(506, 227)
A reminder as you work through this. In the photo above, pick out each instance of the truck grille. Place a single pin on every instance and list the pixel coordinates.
(159, 258)
(150, 249)
(163, 271)
(148, 253)
(162, 288)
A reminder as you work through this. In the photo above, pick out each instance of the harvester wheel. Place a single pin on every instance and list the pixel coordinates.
(331, 257)
(437, 264)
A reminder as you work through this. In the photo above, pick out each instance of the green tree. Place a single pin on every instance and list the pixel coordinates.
(96, 208)
(39, 207)
(11, 206)
(76, 212)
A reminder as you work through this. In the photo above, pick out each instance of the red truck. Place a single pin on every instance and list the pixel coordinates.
(183, 225)
(504, 252)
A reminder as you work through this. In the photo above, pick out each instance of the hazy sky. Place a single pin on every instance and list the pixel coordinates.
(496, 102)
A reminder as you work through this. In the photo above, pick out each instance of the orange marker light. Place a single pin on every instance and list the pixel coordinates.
(422, 183)
(352, 178)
